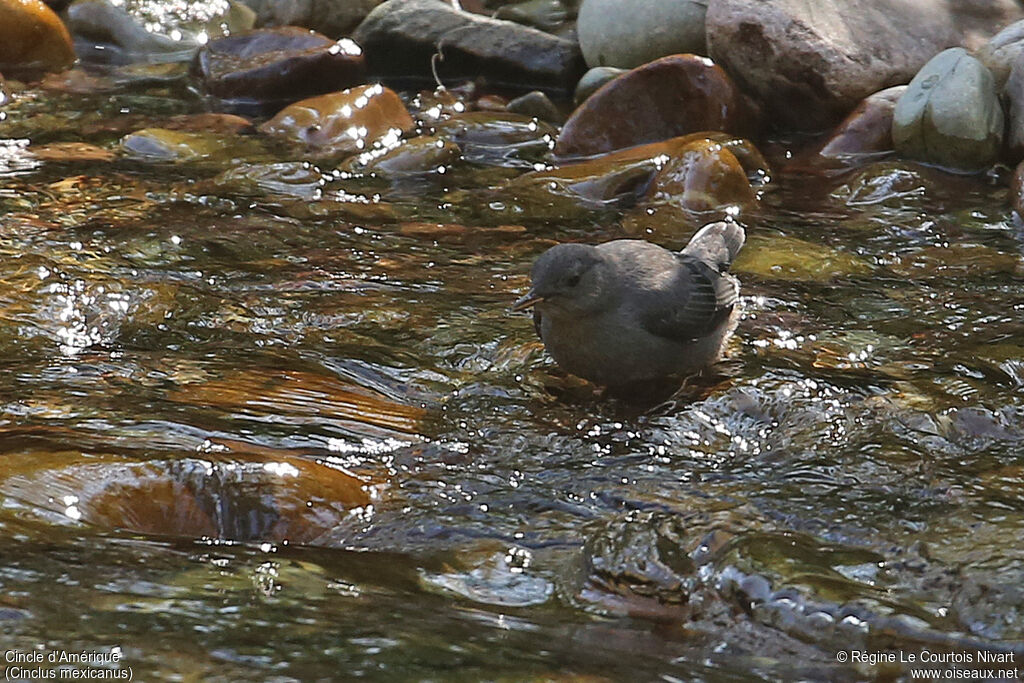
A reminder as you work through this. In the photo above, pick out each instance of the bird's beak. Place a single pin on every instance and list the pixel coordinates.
(530, 299)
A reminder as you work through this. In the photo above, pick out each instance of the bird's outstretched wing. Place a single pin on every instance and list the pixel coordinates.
(692, 305)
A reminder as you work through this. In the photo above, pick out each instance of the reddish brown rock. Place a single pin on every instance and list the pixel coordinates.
(666, 98)
(354, 120)
(1017, 190)
(247, 493)
(868, 129)
(210, 122)
(691, 174)
(33, 40)
(277, 65)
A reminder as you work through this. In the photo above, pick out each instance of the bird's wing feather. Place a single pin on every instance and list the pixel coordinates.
(692, 305)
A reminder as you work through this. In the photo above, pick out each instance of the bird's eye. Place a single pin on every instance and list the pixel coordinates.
(573, 281)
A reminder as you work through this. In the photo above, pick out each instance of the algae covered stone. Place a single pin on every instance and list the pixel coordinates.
(950, 114)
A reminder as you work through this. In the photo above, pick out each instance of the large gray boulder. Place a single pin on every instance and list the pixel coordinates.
(627, 34)
(950, 114)
(810, 63)
(401, 37)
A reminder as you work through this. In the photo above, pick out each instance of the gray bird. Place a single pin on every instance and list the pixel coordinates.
(627, 312)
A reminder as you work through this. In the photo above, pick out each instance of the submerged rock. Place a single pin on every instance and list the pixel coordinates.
(672, 96)
(276, 66)
(354, 120)
(501, 138)
(950, 114)
(791, 259)
(243, 496)
(422, 154)
(628, 34)
(329, 17)
(162, 144)
(810, 63)
(33, 39)
(401, 38)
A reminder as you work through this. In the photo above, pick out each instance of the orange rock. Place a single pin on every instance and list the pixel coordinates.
(234, 490)
(32, 39)
(353, 120)
(666, 98)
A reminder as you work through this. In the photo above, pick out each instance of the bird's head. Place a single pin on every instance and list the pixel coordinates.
(570, 279)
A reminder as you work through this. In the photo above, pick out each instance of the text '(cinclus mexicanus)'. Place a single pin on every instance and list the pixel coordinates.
(628, 311)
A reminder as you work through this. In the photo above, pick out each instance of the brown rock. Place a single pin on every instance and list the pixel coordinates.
(979, 20)
(33, 40)
(276, 66)
(210, 122)
(702, 176)
(422, 154)
(1017, 190)
(1013, 95)
(666, 98)
(354, 120)
(811, 63)
(692, 173)
(868, 129)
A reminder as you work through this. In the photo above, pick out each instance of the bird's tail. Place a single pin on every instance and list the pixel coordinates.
(717, 244)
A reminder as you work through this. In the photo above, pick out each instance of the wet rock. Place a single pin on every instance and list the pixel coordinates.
(329, 17)
(497, 138)
(272, 67)
(32, 39)
(691, 173)
(950, 115)
(209, 122)
(121, 33)
(703, 176)
(536, 104)
(423, 154)
(672, 96)
(402, 36)
(67, 152)
(162, 144)
(868, 128)
(892, 184)
(491, 574)
(592, 81)
(810, 63)
(354, 120)
(546, 15)
(279, 179)
(791, 259)
(1002, 51)
(241, 496)
(626, 35)
(456, 232)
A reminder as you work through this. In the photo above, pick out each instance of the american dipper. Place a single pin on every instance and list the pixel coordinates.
(627, 312)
